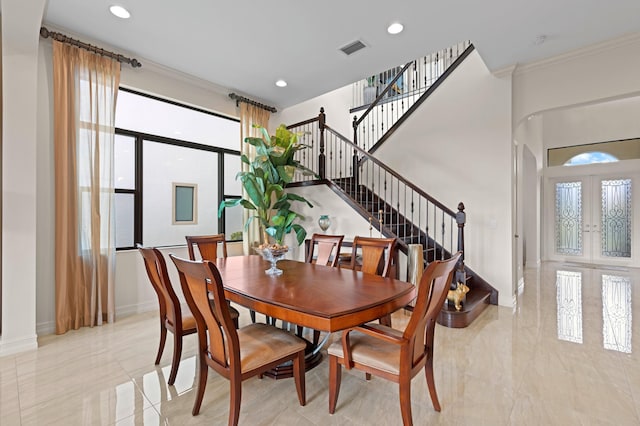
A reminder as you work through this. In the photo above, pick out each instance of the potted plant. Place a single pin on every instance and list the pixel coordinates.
(272, 169)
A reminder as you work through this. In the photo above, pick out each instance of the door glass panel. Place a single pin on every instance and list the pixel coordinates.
(616, 313)
(568, 218)
(616, 218)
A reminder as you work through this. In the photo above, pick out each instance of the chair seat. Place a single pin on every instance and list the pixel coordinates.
(261, 344)
(370, 351)
(188, 321)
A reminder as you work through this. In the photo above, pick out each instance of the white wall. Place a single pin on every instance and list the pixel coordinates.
(336, 106)
(20, 26)
(600, 122)
(529, 141)
(457, 147)
(344, 220)
(602, 72)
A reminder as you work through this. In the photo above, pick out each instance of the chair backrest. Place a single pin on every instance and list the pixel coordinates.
(207, 245)
(201, 283)
(432, 292)
(156, 268)
(376, 254)
(328, 249)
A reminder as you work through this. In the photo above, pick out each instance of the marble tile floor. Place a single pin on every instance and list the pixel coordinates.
(566, 355)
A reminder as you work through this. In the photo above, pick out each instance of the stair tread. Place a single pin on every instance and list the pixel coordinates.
(474, 297)
(476, 302)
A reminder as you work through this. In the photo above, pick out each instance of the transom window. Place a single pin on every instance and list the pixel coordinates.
(593, 153)
(591, 158)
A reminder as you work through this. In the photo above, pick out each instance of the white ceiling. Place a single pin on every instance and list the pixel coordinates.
(246, 46)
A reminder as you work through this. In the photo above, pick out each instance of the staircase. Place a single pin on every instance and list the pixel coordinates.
(404, 91)
(391, 203)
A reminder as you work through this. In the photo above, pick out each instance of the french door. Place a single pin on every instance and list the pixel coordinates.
(593, 219)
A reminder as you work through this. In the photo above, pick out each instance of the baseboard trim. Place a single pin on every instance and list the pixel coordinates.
(15, 346)
(44, 328)
(136, 308)
(49, 327)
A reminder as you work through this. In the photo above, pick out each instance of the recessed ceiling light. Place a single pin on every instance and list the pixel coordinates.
(395, 28)
(120, 12)
(281, 83)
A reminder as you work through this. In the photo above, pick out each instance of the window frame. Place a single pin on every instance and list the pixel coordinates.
(140, 137)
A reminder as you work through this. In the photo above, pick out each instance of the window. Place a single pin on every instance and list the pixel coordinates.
(185, 205)
(591, 158)
(168, 186)
(593, 153)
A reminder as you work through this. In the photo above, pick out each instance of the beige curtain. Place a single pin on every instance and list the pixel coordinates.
(250, 115)
(85, 87)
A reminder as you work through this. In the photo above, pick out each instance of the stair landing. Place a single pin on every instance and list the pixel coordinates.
(477, 301)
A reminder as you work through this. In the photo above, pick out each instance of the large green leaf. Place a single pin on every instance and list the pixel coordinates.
(254, 190)
(227, 203)
(301, 233)
(296, 197)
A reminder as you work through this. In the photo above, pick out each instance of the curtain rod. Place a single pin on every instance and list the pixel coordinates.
(239, 99)
(45, 33)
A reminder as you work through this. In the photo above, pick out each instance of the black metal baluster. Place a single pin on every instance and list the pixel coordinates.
(443, 233)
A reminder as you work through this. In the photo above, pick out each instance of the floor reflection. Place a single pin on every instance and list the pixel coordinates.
(617, 313)
(616, 304)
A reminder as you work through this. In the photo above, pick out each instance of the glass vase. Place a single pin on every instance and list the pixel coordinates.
(324, 222)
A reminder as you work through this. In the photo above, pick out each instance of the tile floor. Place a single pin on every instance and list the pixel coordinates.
(564, 356)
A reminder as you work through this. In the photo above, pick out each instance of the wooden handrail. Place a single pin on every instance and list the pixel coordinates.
(392, 172)
(356, 123)
(303, 123)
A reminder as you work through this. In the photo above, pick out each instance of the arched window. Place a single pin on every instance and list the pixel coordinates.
(590, 158)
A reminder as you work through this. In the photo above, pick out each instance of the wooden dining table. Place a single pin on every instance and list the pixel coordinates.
(315, 296)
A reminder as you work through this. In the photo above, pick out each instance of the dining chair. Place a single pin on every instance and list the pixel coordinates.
(209, 246)
(234, 354)
(323, 250)
(373, 256)
(172, 317)
(392, 354)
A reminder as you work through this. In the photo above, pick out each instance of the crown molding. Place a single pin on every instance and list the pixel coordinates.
(505, 71)
(593, 49)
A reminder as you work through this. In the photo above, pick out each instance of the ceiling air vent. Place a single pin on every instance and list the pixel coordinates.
(353, 47)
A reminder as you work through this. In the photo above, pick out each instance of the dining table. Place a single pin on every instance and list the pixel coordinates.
(315, 296)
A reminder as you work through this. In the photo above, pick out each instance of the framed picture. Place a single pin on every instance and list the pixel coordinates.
(185, 203)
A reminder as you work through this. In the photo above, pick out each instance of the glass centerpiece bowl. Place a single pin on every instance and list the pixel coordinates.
(272, 253)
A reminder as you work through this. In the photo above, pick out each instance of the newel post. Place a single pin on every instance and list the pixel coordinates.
(461, 218)
(354, 162)
(321, 157)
